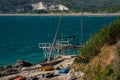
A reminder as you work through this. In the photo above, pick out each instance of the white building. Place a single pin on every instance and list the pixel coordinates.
(38, 6)
(41, 6)
(58, 7)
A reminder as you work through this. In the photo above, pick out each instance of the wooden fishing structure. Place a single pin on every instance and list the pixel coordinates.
(60, 44)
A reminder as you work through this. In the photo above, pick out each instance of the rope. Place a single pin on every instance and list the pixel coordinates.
(81, 29)
(57, 30)
(81, 41)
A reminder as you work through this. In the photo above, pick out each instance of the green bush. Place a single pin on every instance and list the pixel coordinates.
(108, 71)
(107, 34)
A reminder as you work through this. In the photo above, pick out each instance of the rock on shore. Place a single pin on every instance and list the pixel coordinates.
(15, 68)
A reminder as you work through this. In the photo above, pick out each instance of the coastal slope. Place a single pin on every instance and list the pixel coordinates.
(100, 58)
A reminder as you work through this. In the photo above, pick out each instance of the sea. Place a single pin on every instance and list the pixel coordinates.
(20, 35)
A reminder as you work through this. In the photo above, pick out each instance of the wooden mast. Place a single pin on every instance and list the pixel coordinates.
(81, 23)
(54, 41)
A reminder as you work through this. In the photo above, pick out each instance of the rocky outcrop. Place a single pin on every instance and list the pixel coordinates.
(21, 63)
(15, 68)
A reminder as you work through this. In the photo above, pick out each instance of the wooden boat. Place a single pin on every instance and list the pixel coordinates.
(48, 75)
(46, 68)
(51, 63)
(19, 77)
(64, 70)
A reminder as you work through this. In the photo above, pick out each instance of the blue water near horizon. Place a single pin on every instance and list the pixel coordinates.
(20, 35)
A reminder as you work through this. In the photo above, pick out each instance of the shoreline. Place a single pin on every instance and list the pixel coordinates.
(34, 71)
(64, 14)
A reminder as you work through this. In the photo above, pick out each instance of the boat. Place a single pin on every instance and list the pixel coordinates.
(19, 77)
(64, 70)
(52, 62)
(46, 68)
(48, 75)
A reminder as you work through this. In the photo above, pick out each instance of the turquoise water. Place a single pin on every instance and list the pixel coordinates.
(20, 35)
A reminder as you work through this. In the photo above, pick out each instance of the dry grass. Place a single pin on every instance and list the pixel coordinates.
(98, 63)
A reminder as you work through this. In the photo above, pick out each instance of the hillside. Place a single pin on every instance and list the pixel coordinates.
(105, 66)
(24, 6)
(100, 58)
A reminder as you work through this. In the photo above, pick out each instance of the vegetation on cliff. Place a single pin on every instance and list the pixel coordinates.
(107, 35)
(100, 58)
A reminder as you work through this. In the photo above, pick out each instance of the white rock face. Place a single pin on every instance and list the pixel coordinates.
(41, 6)
(62, 7)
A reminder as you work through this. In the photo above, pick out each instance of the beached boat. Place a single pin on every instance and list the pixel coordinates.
(46, 68)
(53, 62)
(48, 75)
(64, 70)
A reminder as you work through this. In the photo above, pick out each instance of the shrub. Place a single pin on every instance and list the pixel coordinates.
(107, 34)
